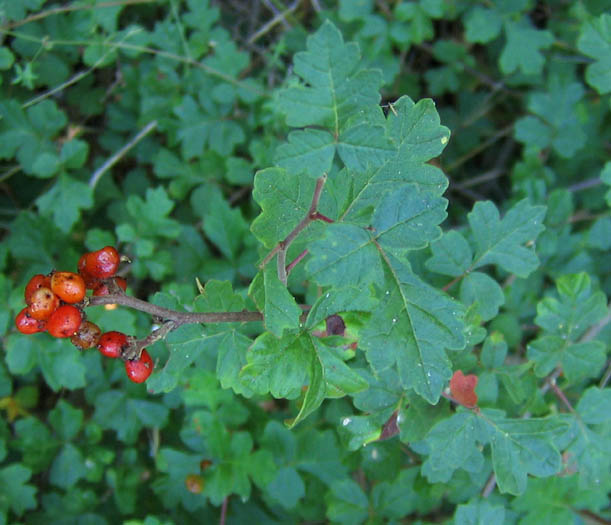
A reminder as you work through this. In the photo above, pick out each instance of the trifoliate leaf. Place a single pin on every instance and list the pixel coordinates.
(336, 88)
(556, 123)
(407, 219)
(17, 494)
(65, 200)
(500, 241)
(564, 320)
(522, 50)
(521, 447)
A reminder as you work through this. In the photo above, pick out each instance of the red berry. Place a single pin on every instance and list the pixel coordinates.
(194, 483)
(36, 282)
(65, 321)
(111, 344)
(102, 288)
(139, 370)
(90, 281)
(103, 263)
(87, 336)
(68, 286)
(43, 302)
(28, 325)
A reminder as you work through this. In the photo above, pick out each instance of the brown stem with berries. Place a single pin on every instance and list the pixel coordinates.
(179, 318)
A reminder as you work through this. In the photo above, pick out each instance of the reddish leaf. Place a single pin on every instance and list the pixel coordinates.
(463, 388)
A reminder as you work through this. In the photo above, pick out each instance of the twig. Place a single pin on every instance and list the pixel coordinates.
(311, 215)
(593, 331)
(296, 261)
(179, 318)
(119, 154)
(560, 395)
(280, 17)
(224, 511)
(68, 8)
(134, 350)
(586, 184)
(489, 486)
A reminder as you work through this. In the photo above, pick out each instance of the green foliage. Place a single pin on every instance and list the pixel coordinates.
(294, 161)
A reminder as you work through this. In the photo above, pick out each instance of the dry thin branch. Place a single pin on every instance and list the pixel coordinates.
(119, 154)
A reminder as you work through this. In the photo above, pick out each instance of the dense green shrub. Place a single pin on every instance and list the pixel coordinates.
(407, 191)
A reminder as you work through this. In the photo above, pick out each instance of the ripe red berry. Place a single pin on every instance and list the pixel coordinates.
(139, 370)
(43, 302)
(90, 281)
(87, 336)
(103, 263)
(36, 282)
(111, 344)
(194, 483)
(65, 321)
(68, 286)
(28, 325)
(102, 288)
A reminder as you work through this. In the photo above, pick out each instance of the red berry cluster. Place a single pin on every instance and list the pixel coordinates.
(55, 305)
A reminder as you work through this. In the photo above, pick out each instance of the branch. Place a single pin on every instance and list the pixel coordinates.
(179, 318)
(282, 247)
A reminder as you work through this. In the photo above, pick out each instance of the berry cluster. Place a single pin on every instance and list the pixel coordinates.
(55, 305)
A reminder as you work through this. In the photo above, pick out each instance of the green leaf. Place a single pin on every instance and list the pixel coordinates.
(594, 406)
(522, 49)
(186, 344)
(348, 299)
(521, 447)
(501, 242)
(482, 25)
(411, 328)
(65, 200)
(68, 467)
(114, 410)
(578, 306)
(223, 225)
(595, 41)
(231, 358)
(556, 500)
(66, 420)
(336, 89)
(479, 512)
(578, 360)
(453, 444)
(483, 291)
(346, 503)
(285, 200)
(557, 123)
(278, 366)
(281, 311)
(6, 58)
(310, 151)
(199, 129)
(407, 219)
(451, 255)
(340, 379)
(151, 213)
(346, 256)
(15, 493)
